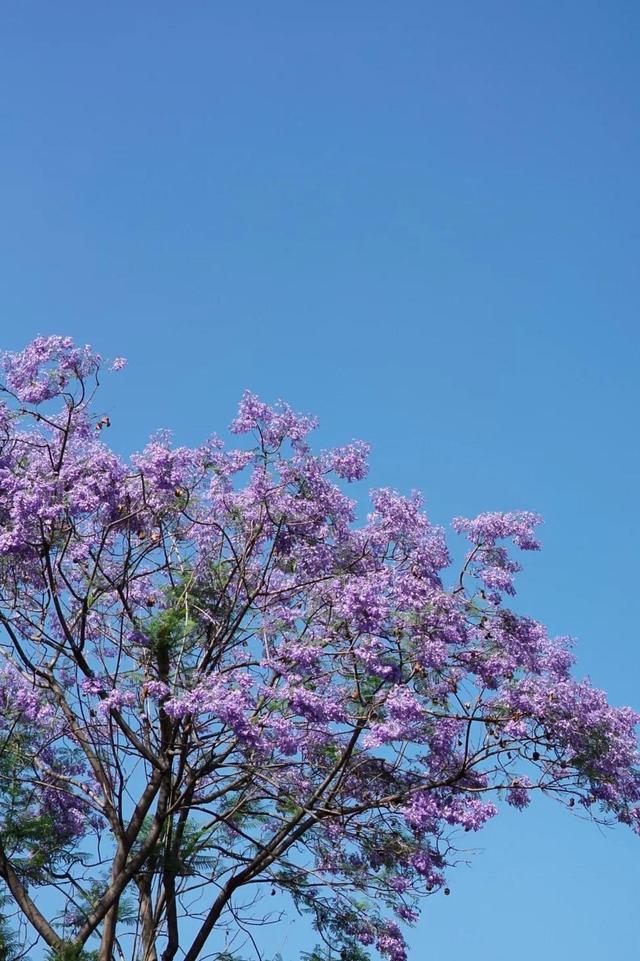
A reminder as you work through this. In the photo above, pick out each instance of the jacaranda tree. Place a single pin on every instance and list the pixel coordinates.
(217, 686)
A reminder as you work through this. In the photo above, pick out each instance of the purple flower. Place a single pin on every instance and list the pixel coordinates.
(349, 462)
(488, 528)
(46, 367)
(519, 793)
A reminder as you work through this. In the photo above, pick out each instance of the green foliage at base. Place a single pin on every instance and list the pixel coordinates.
(71, 952)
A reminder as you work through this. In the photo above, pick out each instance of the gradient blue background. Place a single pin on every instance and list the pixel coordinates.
(418, 220)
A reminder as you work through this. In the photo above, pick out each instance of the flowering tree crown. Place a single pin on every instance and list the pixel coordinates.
(216, 685)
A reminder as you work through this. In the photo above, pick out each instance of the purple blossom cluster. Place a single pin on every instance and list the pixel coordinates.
(47, 368)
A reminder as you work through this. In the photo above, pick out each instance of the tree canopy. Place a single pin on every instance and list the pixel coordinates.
(217, 685)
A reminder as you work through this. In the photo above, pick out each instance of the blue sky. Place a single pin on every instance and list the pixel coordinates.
(421, 222)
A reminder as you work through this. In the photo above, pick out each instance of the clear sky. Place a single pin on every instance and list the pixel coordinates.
(419, 220)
